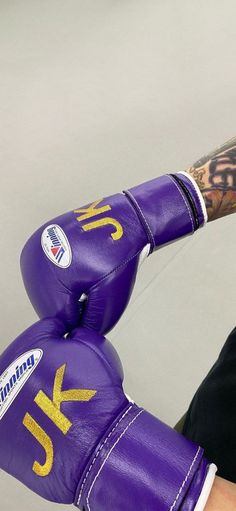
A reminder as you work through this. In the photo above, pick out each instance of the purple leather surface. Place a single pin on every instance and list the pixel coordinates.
(102, 267)
(113, 455)
(166, 209)
(145, 465)
(195, 488)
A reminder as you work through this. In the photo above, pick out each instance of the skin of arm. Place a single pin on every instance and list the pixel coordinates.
(222, 496)
(215, 175)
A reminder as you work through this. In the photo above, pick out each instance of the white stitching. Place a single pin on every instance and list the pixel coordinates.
(185, 480)
(98, 452)
(183, 197)
(109, 453)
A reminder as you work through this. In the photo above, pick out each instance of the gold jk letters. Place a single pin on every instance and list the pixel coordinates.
(92, 211)
(52, 409)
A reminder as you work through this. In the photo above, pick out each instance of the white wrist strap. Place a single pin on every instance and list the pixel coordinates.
(206, 489)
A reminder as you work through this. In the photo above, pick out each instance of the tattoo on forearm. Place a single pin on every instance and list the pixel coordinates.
(215, 175)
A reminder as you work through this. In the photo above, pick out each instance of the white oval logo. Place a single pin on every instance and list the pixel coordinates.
(15, 377)
(56, 246)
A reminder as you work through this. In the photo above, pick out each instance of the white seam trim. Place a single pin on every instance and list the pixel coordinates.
(185, 479)
(98, 452)
(183, 197)
(199, 193)
(108, 455)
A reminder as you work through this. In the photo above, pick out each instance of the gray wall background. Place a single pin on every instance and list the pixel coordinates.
(97, 96)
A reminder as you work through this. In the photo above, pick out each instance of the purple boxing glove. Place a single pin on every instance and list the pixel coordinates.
(69, 433)
(81, 266)
(93, 252)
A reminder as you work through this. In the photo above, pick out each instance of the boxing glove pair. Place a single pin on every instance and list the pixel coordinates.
(67, 429)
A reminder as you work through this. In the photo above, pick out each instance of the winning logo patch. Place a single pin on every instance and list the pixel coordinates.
(56, 246)
(15, 377)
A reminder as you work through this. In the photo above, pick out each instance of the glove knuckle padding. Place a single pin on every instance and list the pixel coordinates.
(104, 350)
(98, 262)
(108, 298)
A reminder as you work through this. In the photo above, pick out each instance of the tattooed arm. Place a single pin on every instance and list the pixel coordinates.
(215, 175)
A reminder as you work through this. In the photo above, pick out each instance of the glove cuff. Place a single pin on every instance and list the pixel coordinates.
(169, 207)
(143, 462)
